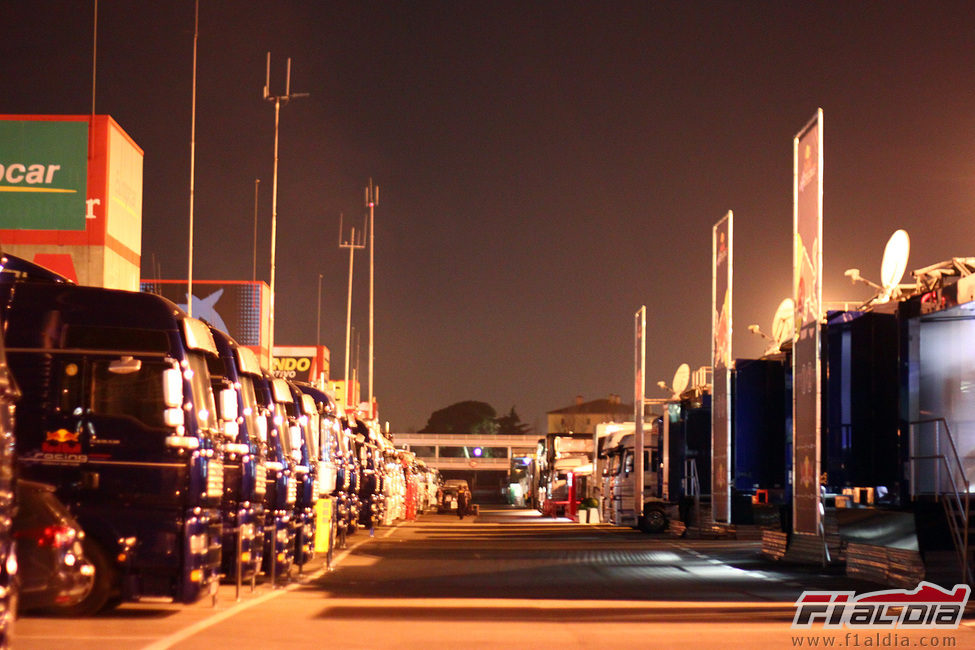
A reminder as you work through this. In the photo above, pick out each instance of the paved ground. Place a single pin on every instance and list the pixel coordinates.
(507, 579)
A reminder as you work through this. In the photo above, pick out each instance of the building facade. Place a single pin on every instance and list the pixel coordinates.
(582, 416)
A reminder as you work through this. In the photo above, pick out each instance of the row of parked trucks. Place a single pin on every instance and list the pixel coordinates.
(897, 440)
(676, 460)
(184, 461)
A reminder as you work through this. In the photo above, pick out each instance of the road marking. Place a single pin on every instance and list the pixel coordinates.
(187, 632)
(508, 603)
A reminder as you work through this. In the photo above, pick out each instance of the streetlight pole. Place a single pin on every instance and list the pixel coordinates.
(372, 200)
(278, 100)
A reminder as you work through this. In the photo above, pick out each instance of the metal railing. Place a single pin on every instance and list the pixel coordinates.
(954, 496)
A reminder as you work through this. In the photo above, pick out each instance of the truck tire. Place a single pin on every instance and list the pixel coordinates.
(653, 520)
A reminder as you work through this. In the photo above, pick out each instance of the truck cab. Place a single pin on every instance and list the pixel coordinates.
(329, 436)
(618, 483)
(118, 414)
(245, 452)
(308, 422)
(371, 502)
(281, 495)
(349, 479)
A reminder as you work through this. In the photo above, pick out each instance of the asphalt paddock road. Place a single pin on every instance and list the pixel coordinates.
(505, 579)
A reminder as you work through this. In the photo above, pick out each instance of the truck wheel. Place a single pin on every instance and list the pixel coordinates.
(653, 521)
(102, 594)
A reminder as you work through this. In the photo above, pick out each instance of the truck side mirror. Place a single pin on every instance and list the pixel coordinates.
(125, 366)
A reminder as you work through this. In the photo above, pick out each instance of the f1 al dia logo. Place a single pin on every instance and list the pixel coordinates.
(927, 607)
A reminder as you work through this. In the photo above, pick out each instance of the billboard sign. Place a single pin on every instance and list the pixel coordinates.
(231, 307)
(808, 297)
(43, 175)
(306, 363)
(721, 281)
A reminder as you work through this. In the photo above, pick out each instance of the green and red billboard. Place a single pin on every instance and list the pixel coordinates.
(43, 175)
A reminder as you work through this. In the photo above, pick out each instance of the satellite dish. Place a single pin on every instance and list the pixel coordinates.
(783, 323)
(681, 378)
(892, 268)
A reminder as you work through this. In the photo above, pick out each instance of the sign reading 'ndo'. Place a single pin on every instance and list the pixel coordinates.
(43, 175)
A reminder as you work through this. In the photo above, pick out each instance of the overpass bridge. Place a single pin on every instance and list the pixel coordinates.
(483, 460)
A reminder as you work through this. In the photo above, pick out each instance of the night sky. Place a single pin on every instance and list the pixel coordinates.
(546, 168)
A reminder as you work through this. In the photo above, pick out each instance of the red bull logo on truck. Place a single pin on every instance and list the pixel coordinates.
(61, 441)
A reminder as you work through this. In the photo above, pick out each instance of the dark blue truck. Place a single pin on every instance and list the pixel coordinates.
(117, 413)
(245, 454)
(282, 485)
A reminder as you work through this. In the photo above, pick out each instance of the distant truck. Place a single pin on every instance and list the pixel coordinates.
(617, 460)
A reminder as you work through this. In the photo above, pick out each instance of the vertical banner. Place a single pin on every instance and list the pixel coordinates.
(808, 295)
(721, 362)
(639, 391)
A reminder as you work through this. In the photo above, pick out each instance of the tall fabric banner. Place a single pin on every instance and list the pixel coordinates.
(808, 296)
(639, 394)
(721, 362)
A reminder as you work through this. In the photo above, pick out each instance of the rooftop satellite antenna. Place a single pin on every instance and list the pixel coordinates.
(894, 264)
(783, 322)
(891, 269)
(681, 378)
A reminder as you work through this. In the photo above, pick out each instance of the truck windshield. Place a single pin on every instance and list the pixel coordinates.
(137, 394)
(281, 422)
(331, 434)
(313, 425)
(206, 411)
(250, 408)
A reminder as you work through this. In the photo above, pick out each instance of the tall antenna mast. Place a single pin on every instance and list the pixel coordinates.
(353, 246)
(278, 100)
(257, 184)
(94, 58)
(372, 200)
(189, 274)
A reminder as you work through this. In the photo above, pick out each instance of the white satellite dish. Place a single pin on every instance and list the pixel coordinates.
(892, 268)
(783, 323)
(681, 378)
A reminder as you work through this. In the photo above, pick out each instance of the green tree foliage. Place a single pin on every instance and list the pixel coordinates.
(474, 417)
(462, 417)
(511, 424)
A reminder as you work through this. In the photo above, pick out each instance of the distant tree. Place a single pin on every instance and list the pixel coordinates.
(485, 428)
(511, 424)
(462, 417)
